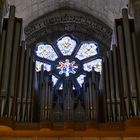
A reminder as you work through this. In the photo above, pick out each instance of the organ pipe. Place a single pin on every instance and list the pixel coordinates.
(41, 91)
(29, 92)
(129, 52)
(18, 25)
(2, 49)
(20, 80)
(31, 113)
(112, 87)
(136, 69)
(102, 104)
(117, 82)
(46, 95)
(124, 69)
(2, 52)
(8, 53)
(25, 84)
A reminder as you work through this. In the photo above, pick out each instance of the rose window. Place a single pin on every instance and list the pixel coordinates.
(68, 59)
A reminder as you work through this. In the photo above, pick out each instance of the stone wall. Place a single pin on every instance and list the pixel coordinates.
(106, 10)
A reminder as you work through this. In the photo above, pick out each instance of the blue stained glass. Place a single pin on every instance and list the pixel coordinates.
(66, 45)
(80, 79)
(86, 50)
(73, 87)
(67, 67)
(38, 65)
(61, 87)
(47, 52)
(97, 64)
(54, 80)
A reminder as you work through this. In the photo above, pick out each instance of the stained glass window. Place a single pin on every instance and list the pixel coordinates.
(80, 79)
(67, 67)
(54, 80)
(86, 50)
(61, 61)
(66, 45)
(61, 87)
(97, 64)
(73, 87)
(46, 51)
(38, 64)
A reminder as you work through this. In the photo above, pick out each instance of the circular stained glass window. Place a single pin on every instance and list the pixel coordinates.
(68, 58)
(67, 67)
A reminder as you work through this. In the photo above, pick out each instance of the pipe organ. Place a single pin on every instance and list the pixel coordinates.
(121, 73)
(27, 96)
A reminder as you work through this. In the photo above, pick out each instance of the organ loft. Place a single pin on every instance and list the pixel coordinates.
(68, 73)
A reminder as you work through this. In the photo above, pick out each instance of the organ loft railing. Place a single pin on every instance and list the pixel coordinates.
(29, 96)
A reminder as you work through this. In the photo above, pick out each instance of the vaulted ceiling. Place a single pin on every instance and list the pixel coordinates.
(105, 10)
